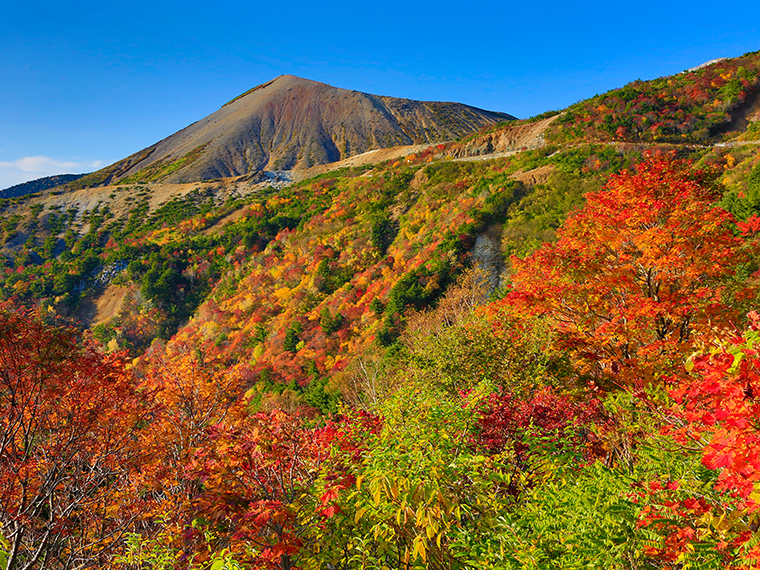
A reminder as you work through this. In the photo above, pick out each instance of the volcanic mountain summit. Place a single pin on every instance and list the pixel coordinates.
(293, 123)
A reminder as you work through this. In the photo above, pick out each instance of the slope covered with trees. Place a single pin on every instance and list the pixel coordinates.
(543, 360)
(694, 106)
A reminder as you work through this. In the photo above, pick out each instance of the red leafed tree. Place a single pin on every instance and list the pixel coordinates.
(67, 443)
(719, 404)
(256, 475)
(715, 413)
(507, 422)
(506, 419)
(635, 273)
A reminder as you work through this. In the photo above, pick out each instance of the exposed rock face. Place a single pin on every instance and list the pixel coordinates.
(511, 139)
(292, 123)
(488, 259)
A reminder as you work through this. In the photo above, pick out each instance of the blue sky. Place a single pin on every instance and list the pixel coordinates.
(87, 83)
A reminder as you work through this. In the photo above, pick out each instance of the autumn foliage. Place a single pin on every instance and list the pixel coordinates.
(256, 474)
(718, 401)
(68, 435)
(350, 397)
(691, 106)
(636, 274)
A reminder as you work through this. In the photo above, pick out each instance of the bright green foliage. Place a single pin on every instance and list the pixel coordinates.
(746, 203)
(619, 514)
(515, 355)
(591, 517)
(158, 554)
(586, 521)
(5, 547)
(418, 481)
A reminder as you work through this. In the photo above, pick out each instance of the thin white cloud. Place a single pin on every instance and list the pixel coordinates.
(33, 167)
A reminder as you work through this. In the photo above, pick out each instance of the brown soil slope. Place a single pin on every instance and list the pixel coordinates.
(292, 123)
(507, 140)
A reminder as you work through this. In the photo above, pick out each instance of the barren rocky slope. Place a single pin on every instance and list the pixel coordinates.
(293, 123)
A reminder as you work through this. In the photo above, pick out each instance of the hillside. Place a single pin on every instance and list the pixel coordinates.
(56, 244)
(38, 185)
(699, 106)
(292, 123)
(533, 347)
(80, 232)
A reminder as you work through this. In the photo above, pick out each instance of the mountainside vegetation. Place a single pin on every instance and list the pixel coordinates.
(532, 348)
(695, 107)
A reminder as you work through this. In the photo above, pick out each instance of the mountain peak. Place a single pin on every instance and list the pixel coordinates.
(293, 123)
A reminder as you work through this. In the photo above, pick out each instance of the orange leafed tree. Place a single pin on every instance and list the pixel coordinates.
(635, 273)
(67, 446)
(188, 396)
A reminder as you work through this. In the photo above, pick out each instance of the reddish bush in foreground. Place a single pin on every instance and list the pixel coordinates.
(67, 444)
